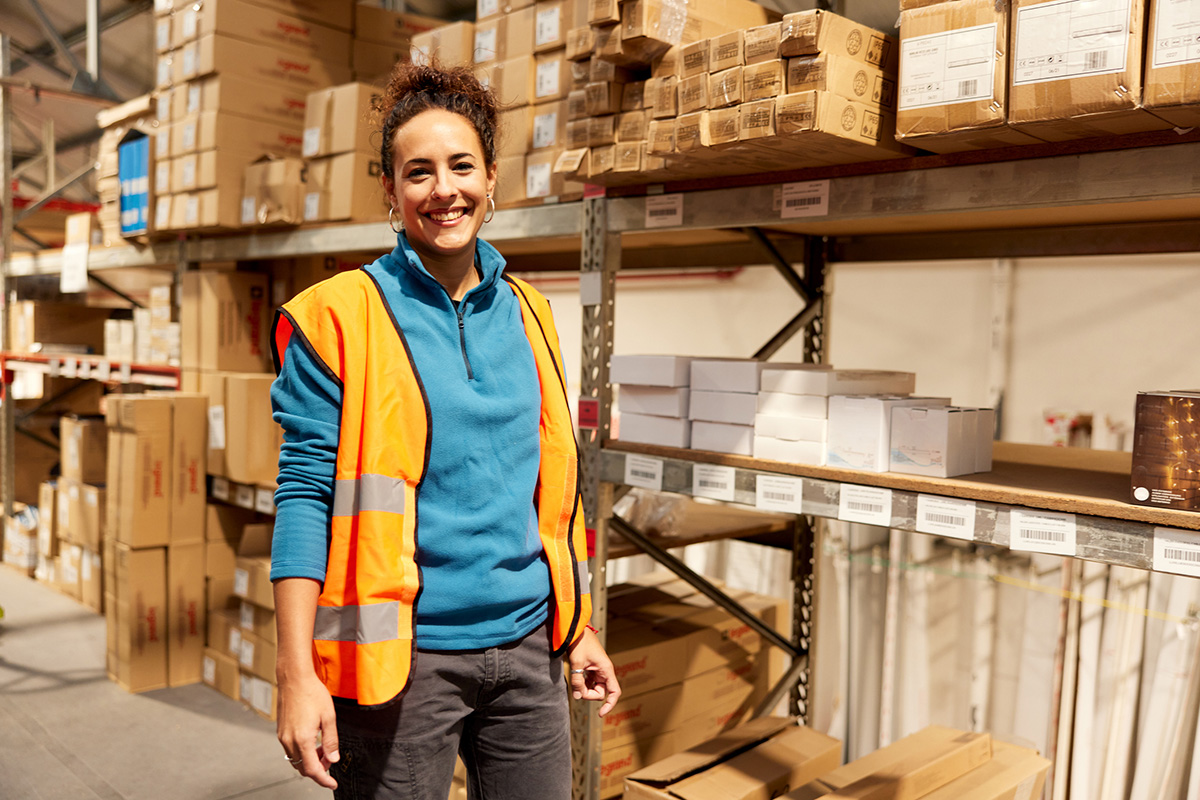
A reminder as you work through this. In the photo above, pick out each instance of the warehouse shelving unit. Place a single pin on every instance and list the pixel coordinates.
(1065, 201)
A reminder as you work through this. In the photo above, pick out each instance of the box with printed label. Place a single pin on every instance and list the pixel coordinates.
(1172, 89)
(375, 24)
(553, 76)
(214, 52)
(725, 88)
(789, 451)
(373, 62)
(256, 620)
(223, 526)
(822, 128)
(759, 759)
(266, 27)
(650, 27)
(633, 126)
(139, 453)
(931, 441)
(209, 130)
(258, 694)
(273, 192)
(807, 33)
(186, 624)
(756, 120)
(1072, 79)
(647, 429)
(726, 51)
(257, 656)
(91, 580)
(220, 671)
(550, 24)
(860, 429)
(21, 540)
(345, 187)
(692, 132)
(208, 169)
(451, 45)
(842, 76)
(602, 130)
(252, 573)
(224, 321)
(48, 538)
(81, 513)
(66, 573)
(338, 120)
(510, 180)
(693, 93)
(762, 44)
(139, 585)
(514, 81)
(602, 97)
(580, 43)
(336, 15)
(189, 456)
(549, 125)
(83, 442)
(242, 97)
(490, 40)
(224, 633)
(954, 77)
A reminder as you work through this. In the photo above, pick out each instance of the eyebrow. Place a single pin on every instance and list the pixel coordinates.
(454, 157)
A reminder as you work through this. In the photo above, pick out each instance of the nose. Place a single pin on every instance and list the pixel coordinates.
(444, 185)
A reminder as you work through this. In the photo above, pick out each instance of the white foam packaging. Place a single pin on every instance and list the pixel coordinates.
(792, 429)
(649, 370)
(838, 381)
(779, 404)
(790, 452)
(738, 374)
(732, 407)
(721, 437)
(935, 442)
(859, 433)
(648, 429)
(660, 401)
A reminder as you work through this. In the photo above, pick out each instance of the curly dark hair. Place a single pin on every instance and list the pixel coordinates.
(413, 88)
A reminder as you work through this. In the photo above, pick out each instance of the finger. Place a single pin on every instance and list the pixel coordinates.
(578, 684)
(329, 740)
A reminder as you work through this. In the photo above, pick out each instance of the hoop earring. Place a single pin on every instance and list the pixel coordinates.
(392, 223)
(491, 210)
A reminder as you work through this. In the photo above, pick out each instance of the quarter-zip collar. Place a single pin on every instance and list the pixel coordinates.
(488, 262)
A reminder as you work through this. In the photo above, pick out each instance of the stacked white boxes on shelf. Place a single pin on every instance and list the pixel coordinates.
(654, 399)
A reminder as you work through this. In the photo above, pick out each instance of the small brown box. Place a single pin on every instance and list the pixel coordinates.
(757, 120)
(807, 33)
(633, 126)
(602, 130)
(762, 81)
(660, 138)
(602, 98)
(663, 97)
(577, 104)
(633, 97)
(725, 88)
(693, 93)
(691, 131)
(762, 43)
(724, 125)
(693, 59)
(726, 51)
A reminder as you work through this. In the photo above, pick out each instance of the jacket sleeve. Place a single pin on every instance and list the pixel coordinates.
(306, 403)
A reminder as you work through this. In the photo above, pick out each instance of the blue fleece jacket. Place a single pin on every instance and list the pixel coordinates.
(484, 578)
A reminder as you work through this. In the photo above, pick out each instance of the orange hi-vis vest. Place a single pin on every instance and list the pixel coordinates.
(363, 642)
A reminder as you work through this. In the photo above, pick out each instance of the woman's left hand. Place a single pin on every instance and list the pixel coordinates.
(592, 675)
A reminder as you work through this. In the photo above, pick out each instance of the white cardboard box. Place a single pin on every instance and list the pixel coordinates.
(722, 437)
(650, 370)
(733, 407)
(937, 442)
(778, 404)
(660, 401)
(648, 429)
(737, 374)
(791, 452)
(985, 432)
(838, 381)
(859, 435)
(793, 429)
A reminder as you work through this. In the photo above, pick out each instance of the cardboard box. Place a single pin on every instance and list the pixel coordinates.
(252, 438)
(338, 120)
(345, 187)
(859, 432)
(602, 130)
(38, 326)
(651, 27)
(189, 455)
(140, 468)
(755, 760)
(373, 63)
(265, 26)
(731, 407)
(693, 59)
(633, 126)
(224, 321)
(826, 129)
(242, 97)
(820, 380)
(954, 77)
(792, 429)
(550, 25)
(185, 613)
(756, 120)
(603, 13)
(81, 513)
(252, 575)
(224, 525)
(273, 192)
(580, 43)
(553, 76)
(693, 93)
(549, 126)
(259, 695)
(650, 370)
(646, 429)
(91, 580)
(692, 132)
(216, 52)
(1172, 86)
(602, 97)
(208, 169)
(1165, 469)
(510, 180)
(773, 448)
(761, 44)
(514, 81)
(322, 12)
(807, 33)
(21, 540)
(662, 96)
(66, 574)
(47, 537)
(209, 130)
(258, 621)
(618, 761)
(1073, 80)
(726, 51)
(1013, 772)
(725, 88)
(140, 590)
(451, 45)
(393, 28)
(257, 656)
(904, 770)
(83, 442)
(654, 400)
(845, 77)
(633, 96)
(224, 633)
(932, 441)
(220, 671)
(720, 437)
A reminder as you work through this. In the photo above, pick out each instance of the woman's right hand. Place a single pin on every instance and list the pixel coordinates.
(307, 727)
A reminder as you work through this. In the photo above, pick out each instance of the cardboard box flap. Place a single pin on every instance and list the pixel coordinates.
(715, 750)
(760, 773)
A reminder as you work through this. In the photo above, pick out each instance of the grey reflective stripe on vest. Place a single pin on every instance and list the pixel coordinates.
(585, 580)
(377, 622)
(368, 493)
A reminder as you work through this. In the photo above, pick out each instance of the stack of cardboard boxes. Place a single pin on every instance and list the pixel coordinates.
(342, 150)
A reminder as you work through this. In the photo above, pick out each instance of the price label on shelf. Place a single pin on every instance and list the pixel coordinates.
(125, 373)
(244, 496)
(1177, 551)
(264, 501)
(946, 516)
(54, 367)
(644, 472)
(869, 505)
(778, 493)
(103, 371)
(73, 276)
(70, 368)
(713, 482)
(804, 199)
(1042, 532)
(220, 489)
(664, 210)
(85, 370)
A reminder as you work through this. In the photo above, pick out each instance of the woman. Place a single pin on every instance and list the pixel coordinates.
(429, 558)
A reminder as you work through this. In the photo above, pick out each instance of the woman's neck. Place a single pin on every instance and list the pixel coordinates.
(456, 274)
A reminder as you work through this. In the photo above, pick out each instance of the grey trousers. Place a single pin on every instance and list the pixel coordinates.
(504, 709)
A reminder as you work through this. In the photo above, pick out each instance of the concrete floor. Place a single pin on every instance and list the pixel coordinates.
(68, 733)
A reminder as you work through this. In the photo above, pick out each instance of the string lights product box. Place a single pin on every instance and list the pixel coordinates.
(1166, 450)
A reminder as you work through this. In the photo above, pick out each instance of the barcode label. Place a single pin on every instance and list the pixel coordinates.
(264, 501)
(713, 482)
(644, 472)
(778, 493)
(804, 199)
(220, 489)
(244, 496)
(1042, 532)
(946, 516)
(664, 210)
(1095, 60)
(1177, 551)
(968, 88)
(869, 505)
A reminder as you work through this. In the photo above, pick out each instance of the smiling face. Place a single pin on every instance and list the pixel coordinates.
(441, 184)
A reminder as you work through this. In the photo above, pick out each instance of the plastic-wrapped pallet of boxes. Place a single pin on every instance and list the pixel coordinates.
(231, 81)
(688, 670)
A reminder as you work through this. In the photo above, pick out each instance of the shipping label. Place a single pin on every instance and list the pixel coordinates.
(947, 68)
(1070, 39)
(545, 129)
(1175, 39)
(548, 26)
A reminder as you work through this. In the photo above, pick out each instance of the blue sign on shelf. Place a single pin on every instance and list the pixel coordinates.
(133, 172)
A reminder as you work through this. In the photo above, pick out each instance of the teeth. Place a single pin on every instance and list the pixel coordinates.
(446, 216)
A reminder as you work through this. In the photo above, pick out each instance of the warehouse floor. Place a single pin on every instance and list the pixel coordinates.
(68, 733)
